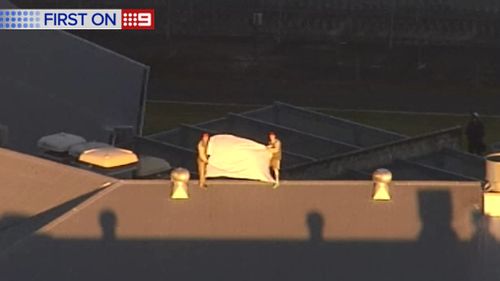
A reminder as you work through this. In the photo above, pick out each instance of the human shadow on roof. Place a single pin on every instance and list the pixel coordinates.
(108, 223)
(315, 224)
(438, 248)
(436, 255)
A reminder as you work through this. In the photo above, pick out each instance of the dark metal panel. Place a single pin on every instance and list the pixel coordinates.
(53, 81)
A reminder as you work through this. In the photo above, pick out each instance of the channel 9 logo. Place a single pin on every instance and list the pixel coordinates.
(138, 19)
(77, 19)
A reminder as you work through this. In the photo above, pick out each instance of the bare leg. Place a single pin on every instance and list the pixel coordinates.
(201, 174)
(205, 175)
(276, 178)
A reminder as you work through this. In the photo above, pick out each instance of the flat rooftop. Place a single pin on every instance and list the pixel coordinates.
(31, 185)
(34, 191)
(305, 230)
(249, 210)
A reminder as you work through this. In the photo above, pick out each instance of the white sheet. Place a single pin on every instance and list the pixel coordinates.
(236, 157)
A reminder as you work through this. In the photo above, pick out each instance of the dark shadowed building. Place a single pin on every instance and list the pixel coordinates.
(52, 81)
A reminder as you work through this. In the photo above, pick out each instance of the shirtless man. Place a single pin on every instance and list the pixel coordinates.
(202, 159)
(274, 146)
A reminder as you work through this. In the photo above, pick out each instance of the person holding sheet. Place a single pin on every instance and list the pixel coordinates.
(274, 146)
(202, 160)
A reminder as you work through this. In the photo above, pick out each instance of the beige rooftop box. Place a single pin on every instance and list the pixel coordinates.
(108, 157)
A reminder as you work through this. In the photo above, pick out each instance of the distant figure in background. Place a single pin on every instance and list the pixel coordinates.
(202, 159)
(475, 134)
(274, 147)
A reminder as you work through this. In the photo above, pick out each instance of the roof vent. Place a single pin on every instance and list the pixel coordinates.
(381, 179)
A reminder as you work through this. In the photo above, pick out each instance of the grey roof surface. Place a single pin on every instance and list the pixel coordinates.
(247, 231)
(456, 162)
(31, 186)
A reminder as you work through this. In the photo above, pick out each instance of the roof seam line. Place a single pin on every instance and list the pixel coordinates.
(82, 206)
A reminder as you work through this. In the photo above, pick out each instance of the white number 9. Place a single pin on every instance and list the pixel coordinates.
(144, 19)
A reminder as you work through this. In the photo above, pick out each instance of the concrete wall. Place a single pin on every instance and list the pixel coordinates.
(407, 170)
(377, 156)
(351, 175)
(455, 161)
